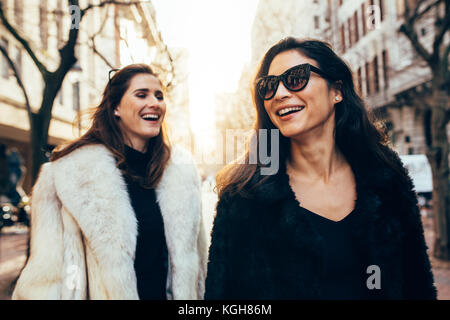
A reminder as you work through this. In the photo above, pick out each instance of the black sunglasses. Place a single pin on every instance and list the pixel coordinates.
(294, 79)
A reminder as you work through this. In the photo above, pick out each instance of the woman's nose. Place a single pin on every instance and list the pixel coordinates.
(153, 101)
(282, 91)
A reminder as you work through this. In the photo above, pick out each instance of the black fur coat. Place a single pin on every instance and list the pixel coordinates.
(263, 247)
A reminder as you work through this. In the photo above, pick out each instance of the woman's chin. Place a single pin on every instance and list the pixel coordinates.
(291, 132)
(148, 134)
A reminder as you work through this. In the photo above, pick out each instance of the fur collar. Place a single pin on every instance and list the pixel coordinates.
(382, 203)
(91, 187)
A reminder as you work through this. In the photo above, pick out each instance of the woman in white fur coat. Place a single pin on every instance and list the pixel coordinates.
(94, 216)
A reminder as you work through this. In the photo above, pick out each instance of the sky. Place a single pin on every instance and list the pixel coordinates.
(217, 36)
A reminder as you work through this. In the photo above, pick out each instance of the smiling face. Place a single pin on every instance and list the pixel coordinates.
(141, 110)
(311, 109)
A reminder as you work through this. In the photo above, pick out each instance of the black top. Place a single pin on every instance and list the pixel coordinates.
(344, 276)
(151, 259)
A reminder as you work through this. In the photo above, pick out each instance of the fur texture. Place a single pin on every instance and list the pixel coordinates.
(263, 247)
(84, 230)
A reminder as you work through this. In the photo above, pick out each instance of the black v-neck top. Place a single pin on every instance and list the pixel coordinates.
(151, 259)
(344, 274)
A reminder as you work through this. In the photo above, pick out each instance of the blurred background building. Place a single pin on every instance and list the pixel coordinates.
(110, 37)
(388, 73)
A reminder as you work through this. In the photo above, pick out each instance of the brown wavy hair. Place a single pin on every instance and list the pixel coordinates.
(105, 129)
(358, 135)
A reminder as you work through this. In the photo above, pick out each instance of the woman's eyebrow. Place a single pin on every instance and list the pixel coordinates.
(142, 89)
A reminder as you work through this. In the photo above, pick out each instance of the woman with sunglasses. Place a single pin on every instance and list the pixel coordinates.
(116, 213)
(339, 220)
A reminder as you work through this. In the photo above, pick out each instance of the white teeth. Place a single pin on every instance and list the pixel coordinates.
(150, 116)
(286, 110)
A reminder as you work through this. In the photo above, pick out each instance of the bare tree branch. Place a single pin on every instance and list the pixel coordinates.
(18, 79)
(407, 28)
(417, 14)
(43, 70)
(442, 29)
(107, 2)
(93, 46)
(100, 55)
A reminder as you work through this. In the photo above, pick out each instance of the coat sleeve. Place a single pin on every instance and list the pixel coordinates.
(218, 276)
(42, 276)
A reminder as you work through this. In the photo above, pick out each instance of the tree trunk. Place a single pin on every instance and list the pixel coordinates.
(38, 145)
(40, 124)
(438, 157)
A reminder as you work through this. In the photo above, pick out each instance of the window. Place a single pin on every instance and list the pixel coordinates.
(400, 7)
(343, 37)
(407, 139)
(76, 51)
(368, 76)
(5, 65)
(355, 18)
(375, 74)
(43, 28)
(4, 5)
(359, 81)
(76, 96)
(386, 68)
(60, 96)
(350, 33)
(18, 60)
(363, 19)
(316, 22)
(381, 10)
(59, 25)
(18, 12)
(411, 150)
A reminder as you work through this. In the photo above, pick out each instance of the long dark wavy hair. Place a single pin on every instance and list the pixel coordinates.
(358, 136)
(105, 129)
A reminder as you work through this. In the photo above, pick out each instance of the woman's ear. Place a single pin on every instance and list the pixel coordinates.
(338, 91)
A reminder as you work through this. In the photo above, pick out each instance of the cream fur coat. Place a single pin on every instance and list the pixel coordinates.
(84, 230)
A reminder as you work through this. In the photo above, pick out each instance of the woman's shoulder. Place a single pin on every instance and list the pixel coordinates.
(90, 161)
(90, 153)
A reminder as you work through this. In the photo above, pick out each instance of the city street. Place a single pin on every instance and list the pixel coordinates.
(13, 247)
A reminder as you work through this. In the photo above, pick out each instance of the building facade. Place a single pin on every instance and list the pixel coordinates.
(388, 73)
(273, 21)
(109, 37)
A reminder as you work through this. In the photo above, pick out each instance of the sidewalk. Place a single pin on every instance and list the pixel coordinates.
(441, 269)
(13, 248)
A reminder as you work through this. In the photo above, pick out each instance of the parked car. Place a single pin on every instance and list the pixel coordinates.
(8, 215)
